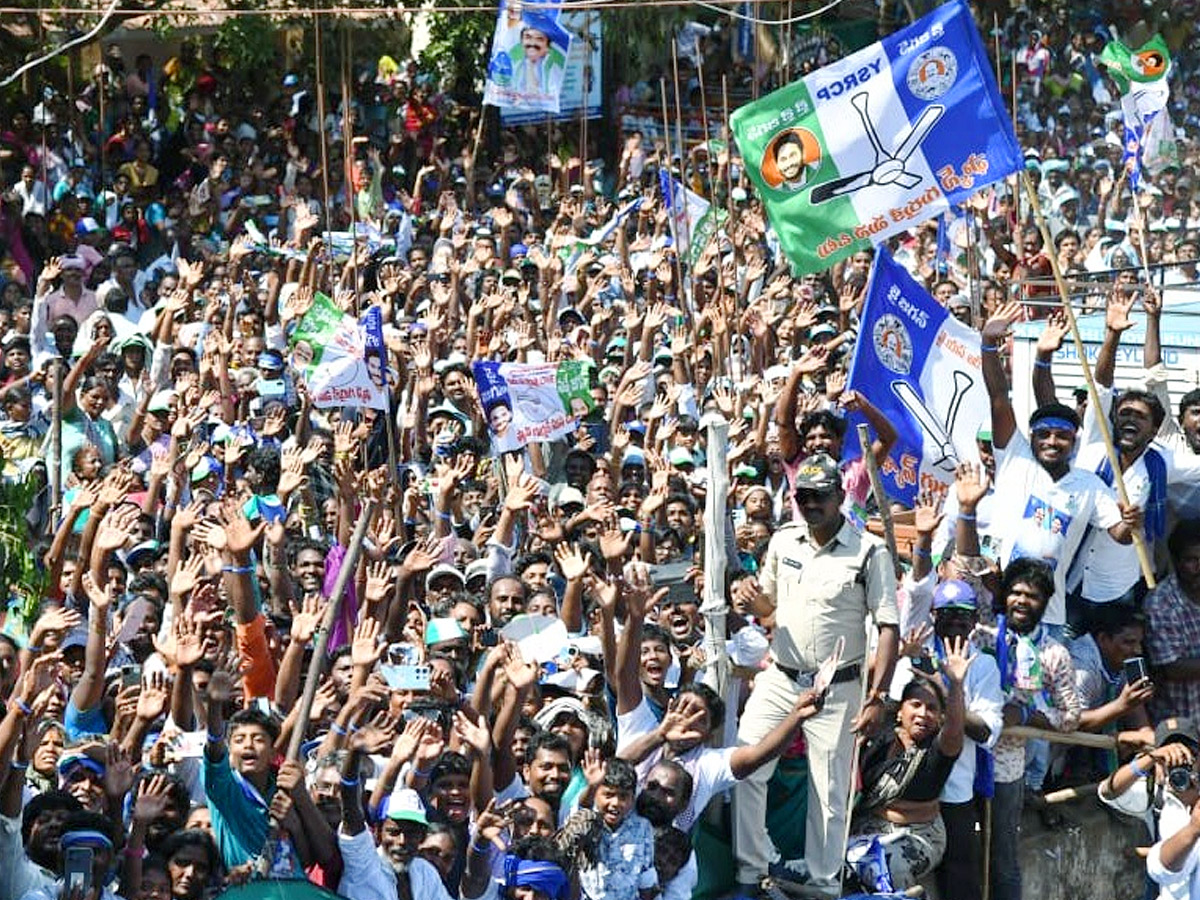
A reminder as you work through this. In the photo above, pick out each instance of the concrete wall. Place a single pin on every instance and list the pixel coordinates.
(1091, 857)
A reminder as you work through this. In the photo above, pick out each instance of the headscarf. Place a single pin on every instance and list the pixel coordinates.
(544, 877)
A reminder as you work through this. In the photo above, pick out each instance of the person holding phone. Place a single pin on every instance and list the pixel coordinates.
(86, 861)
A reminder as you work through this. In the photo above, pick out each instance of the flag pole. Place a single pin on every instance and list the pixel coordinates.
(348, 161)
(728, 150)
(711, 192)
(669, 202)
(320, 61)
(1139, 541)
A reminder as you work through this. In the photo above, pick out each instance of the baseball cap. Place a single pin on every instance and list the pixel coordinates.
(633, 457)
(161, 401)
(681, 456)
(1175, 728)
(442, 629)
(405, 805)
(954, 594)
(477, 569)
(570, 496)
(444, 569)
(818, 473)
(143, 552)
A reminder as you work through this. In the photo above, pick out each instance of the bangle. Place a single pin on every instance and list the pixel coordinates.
(30, 648)
(1041, 364)
(349, 782)
(921, 551)
(967, 517)
(1137, 771)
(23, 706)
(218, 738)
(354, 729)
(989, 348)
(444, 516)
(238, 570)
(339, 730)
(18, 766)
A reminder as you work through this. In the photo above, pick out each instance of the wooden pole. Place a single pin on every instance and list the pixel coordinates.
(881, 500)
(728, 137)
(320, 63)
(56, 423)
(680, 146)
(475, 153)
(1139, 540)
(321, 640)
(348, 159)
(1075, 738)
(662, 84)
(705, 138)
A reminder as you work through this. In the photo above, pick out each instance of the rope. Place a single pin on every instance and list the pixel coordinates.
(82, 39)
(788, 21)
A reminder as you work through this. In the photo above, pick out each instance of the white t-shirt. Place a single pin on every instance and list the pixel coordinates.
(708, 766)
(1106, 569)
(1036, 516)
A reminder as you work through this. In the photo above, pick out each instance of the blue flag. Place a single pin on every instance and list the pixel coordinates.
(920, 367)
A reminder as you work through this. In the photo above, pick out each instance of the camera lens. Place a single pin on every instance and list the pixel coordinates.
(1179, 778)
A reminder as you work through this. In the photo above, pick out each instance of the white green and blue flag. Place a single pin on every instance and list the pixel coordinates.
(879, 141)
(920, 367)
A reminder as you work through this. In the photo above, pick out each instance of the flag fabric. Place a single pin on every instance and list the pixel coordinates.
(571, 253)
(685, 207)
(1141, 75)
(920, 367)
(524, 402)
(528, 59)
(330, 349)
(879, 141)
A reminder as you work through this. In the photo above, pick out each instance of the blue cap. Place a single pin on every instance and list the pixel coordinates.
(954, 594)
(517, 250)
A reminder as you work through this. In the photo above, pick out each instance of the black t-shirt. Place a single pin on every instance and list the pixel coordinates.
(917, 774)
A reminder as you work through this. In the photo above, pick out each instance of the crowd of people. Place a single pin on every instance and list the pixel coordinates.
(518, 694)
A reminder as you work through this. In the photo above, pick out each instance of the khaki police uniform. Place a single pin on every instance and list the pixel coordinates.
(820, 594)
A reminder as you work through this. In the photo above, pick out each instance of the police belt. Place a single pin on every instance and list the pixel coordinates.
(845, 673)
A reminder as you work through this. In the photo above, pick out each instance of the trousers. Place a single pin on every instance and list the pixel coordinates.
(829, 741)
(1006, 837)
(958, 874)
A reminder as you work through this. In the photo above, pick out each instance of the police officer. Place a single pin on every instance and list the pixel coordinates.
(819, 580)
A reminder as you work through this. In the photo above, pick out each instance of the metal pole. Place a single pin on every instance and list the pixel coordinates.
(345, 573)
(712, 605)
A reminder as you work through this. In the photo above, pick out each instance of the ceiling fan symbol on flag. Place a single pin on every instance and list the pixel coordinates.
(889, 167)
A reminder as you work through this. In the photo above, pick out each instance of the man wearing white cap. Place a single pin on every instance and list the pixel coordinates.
(383, 865)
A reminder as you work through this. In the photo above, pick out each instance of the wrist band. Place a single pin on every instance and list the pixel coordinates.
(1136, 770)
(966, 517)
(349, 782)
(921, 551)
(410, 521)
(217, 738)
(989, 348)
(338, 729)
(18, 766)
(444, 516)
(238, 570)
(481, 849)
(422, 773)
(354, 729)
(30, 648)
(1041, 364)
(1024, 715)
(23, 706)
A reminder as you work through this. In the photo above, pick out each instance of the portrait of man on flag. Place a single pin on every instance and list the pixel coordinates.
(528, 59)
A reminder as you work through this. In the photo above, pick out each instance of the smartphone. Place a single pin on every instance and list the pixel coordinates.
(77, 869)
(406, 678)
(402, 654)
(1135, 669)
(672, 576)
(488, 637)
(131, 675)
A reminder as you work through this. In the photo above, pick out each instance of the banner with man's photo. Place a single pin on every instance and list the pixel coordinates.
(528, 59)
(340, 358)
(525, 402)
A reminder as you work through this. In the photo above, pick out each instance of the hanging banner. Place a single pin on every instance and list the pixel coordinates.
(584, 67)
(528, 60)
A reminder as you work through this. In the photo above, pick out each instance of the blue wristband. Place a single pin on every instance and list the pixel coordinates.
(350, 782)
(1138, 772)
(238, 570)
(989, 348)
(339, 730)
(23, 706)
(966, 517)
(1041, 364)
(921, 551)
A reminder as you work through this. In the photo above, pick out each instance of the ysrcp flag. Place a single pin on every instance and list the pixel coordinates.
(528, 59)
(879, 141)
(524, 402)
(330, 349)
(685, 207)
(1142, 77)
(920, 367)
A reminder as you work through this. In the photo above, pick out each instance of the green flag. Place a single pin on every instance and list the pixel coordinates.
(1145, 65)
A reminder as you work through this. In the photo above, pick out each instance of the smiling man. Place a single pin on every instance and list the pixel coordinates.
(1043, 504)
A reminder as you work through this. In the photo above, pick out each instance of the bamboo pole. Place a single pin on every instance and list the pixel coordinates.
(320, 63)
(1139, 540)
(321, 639)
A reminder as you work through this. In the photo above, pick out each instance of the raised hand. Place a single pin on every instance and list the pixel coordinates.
(1116, 314)
(366, 649)
(927, 514)
(153, 798)
(995, 329)
(475, 734)
(958, 659)
(1054, 331)
(307, 618)
(571, 562)
(100, 598)
(971, 485)
(152, 702)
